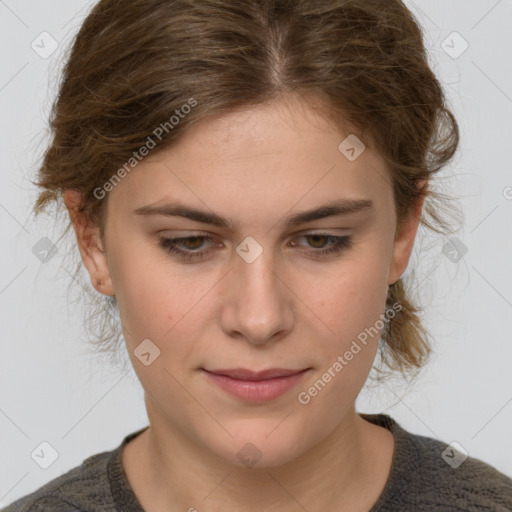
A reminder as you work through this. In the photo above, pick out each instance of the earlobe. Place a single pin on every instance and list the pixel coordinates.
(89, 244)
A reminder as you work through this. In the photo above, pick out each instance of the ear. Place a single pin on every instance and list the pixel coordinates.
(90, 245)
(404, 239)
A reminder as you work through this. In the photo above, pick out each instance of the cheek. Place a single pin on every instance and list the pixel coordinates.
(352, 306)
(148, 291)
(144, 312)
(160, 301)
(353, 298)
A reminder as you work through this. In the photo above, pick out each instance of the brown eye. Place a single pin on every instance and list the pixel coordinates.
(182, 247)
(193, 246)
(319, 241)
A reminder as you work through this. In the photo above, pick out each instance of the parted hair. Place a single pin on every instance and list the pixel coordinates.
(134, 63)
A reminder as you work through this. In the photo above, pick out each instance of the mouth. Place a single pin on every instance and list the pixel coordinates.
(256, 386)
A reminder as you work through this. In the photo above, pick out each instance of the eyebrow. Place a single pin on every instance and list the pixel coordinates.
(334, 208)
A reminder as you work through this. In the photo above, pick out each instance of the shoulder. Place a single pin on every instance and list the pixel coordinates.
(467, 482)
(83, 487)
(429, 474)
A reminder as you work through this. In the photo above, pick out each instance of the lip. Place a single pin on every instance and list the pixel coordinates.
(251, 386)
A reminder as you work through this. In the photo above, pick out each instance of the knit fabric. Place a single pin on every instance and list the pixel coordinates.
(420, 480)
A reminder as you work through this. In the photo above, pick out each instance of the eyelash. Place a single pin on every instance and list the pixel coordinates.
(340, 243)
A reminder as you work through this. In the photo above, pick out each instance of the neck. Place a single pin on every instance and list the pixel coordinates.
(350, 467)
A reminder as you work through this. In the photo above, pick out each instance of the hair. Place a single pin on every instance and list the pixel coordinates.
(135, 67)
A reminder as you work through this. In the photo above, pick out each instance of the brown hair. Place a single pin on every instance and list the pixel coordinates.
(135, 63)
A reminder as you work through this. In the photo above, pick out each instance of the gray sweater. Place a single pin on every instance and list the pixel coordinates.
(421, 479)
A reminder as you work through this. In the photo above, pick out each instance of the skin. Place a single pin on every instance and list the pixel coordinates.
(286, 309)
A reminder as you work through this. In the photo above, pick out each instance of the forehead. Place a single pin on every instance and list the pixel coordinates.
(281, 127)
(270, 156)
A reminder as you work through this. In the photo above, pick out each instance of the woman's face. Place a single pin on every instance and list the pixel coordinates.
(260, 291)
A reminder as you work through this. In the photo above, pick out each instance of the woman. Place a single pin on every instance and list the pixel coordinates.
(245, 182)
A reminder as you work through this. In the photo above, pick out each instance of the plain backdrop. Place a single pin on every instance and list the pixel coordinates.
(52, 391)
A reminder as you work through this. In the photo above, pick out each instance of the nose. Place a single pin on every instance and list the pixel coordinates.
(259, 302)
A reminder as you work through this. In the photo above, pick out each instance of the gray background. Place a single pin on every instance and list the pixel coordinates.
(52, 390)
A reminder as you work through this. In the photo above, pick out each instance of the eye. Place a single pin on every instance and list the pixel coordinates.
(338, 243)
(192, 247)
(175, 246)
